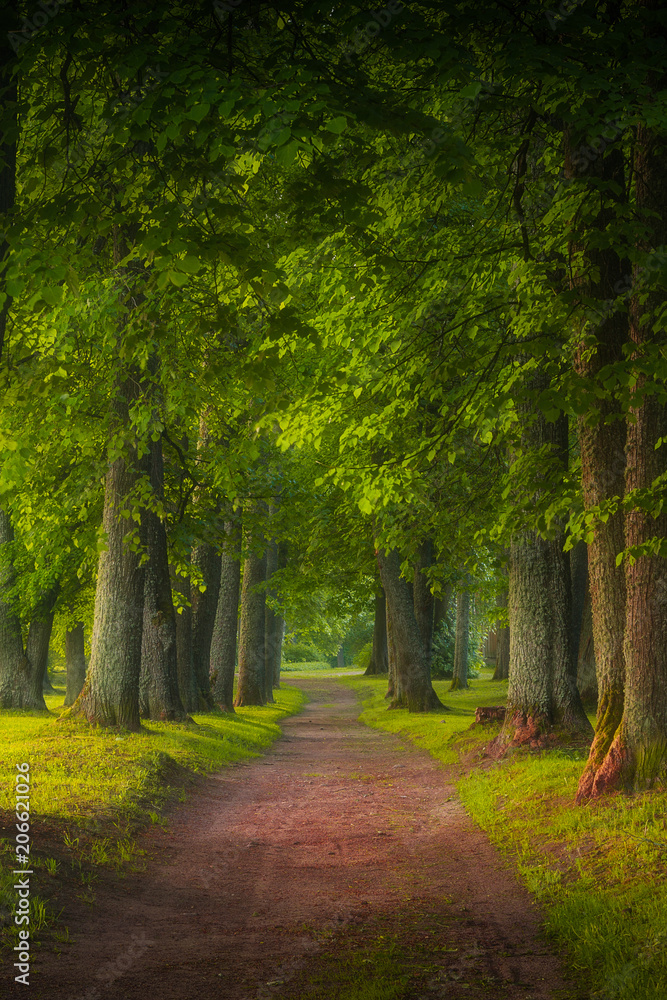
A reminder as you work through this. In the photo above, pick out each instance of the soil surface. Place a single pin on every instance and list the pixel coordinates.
(339, 866)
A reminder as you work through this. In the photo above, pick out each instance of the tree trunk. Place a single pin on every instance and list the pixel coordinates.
(39, 635)
(542, 692)
(461, 651)
(392, 678)
(501, 673)
(280, 624)
(441, 606)
(250, 688)
(272, 622)
(378, 663)
(423, 598)
(587, 682)
(637, 757)
(602, 447)
(20, 687)
(207, 560)
(340, 658)
(75, 663)
(187, 685)
(158, 686)
(110, 695)
(223, 641)
(415, 691)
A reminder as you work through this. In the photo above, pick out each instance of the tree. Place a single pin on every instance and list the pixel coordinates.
(379, 663)
(223, 640)
(413, 690)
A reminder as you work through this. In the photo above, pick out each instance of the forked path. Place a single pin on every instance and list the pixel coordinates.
(339, 832)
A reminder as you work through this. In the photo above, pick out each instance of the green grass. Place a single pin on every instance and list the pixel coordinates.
(97, 787)
(79, 772)
(433, 731)
(600, 871)
(316, 668)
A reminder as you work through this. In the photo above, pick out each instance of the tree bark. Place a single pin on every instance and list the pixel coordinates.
(415, 691)
(379, 663)
(207, 560)
(187, 685)
(542, 692)
(223, 641)
(110, 695)
(602, 447)
(461, 650)
(250, 688)
(423, 598)
(637, 757)
(340, 658)
(75, 663)
(158, 686)
(20, 687)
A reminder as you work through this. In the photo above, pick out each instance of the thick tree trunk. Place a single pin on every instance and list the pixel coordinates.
(637, 757)
(223, 641)
(110, 695)
(207, 560)
(379, 663)
(415, 691)
(158, 686)
(250, 688)
(542, 692)
(461, 650)
(340, 658)
(75, 663)
(20, 687)
(187, 685)
(599, 273)
(423, 598)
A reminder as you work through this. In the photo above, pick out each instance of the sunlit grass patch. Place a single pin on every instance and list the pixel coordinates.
(433, 731)
(79, 772)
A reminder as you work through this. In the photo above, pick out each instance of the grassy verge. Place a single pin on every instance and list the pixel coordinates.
(92, 790)
(316, 669)
(600, 871)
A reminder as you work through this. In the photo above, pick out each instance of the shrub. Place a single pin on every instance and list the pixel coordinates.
(299, 652)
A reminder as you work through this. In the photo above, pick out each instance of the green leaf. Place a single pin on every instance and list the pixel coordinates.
(336, 125)
(198, 112)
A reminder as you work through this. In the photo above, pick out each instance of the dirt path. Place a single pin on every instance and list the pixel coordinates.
(279, 874)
